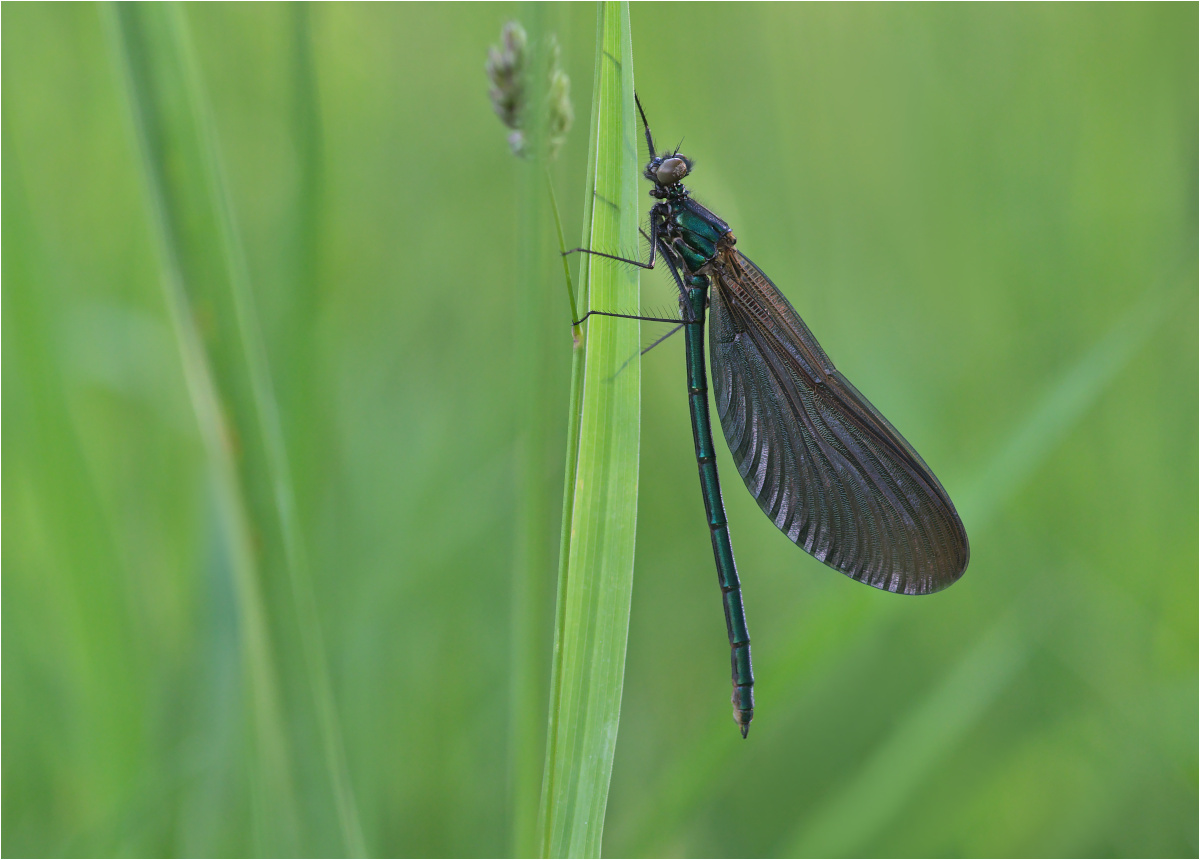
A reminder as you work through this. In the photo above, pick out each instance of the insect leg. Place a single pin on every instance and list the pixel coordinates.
(647, 265)
(668, 255)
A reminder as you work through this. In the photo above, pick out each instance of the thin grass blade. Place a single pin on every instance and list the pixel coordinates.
(932, 727)
(538, 332)
(596, 579)
(225, 362)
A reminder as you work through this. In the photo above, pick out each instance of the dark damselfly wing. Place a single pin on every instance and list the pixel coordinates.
(831, 472)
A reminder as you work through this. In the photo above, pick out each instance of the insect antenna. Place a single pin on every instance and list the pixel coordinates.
(645, 125)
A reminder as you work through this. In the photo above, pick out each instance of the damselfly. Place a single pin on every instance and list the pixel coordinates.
(827, 468)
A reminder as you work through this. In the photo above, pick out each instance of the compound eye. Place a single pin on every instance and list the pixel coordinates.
(672, 170)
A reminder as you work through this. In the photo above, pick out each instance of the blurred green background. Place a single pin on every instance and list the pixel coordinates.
(987, 214)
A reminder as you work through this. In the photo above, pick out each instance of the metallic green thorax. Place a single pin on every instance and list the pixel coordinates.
(693, 231)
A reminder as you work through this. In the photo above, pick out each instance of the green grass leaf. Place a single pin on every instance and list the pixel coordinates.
(225, 363)
(600, 504)
(540, 331)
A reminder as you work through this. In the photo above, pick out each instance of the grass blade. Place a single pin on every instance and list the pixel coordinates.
(596, 569)
(539, 332)
(843, 825)
(225, 362)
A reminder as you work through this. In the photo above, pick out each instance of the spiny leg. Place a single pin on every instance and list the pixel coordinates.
(675, 330)
(647, 265)
(671, 265)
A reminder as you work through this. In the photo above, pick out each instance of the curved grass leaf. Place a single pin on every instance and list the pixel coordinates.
(540, 329)
(600, 496)
(225, 363)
